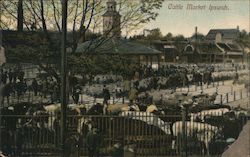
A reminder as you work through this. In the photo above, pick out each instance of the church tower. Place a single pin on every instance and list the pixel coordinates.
(111, 21)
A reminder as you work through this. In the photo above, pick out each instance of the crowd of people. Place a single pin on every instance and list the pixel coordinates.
(14, 83)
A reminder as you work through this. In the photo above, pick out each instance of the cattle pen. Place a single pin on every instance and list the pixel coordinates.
(141, 134)
(30, 127)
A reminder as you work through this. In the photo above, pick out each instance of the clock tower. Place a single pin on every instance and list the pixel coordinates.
(112, 20)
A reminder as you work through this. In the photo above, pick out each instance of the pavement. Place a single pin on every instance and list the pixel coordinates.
(233, 94)
(241, 147)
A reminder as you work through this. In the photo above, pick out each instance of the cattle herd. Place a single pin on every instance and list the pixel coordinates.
(160, 119)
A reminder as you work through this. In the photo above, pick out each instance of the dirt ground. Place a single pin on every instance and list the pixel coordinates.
(241, 147)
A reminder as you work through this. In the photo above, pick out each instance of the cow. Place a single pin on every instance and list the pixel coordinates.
(118, 108)
(212, 112)
(203, 132)
(149, 118)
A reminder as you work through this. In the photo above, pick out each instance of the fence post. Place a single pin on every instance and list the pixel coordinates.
(81, 99)
(241, 94)
(221, 99)
(234, 95)
(184, 133)
(227, 98)
(123, 99)
(29, 96)
(113, 100)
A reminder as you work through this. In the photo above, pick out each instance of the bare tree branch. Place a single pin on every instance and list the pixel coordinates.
(54, 13)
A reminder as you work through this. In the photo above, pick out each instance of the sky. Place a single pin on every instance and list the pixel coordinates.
(184, 21)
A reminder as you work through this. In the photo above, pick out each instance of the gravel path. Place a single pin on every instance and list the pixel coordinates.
(241, 147)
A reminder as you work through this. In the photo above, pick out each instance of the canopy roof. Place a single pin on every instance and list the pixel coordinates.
(115, 46)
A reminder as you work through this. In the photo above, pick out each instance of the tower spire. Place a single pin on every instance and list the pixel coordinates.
(111, 20)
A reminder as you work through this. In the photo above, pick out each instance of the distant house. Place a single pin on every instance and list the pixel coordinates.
(171, 50)
(202, 52)
(199, 52)
(206, 52)
(232, 51)
(223, 35)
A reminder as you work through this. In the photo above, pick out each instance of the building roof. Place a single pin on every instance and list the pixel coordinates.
(208, 48)
(232, 49)
(226, 33)
(177, 46)
(114, 46)
(224, 46)
(202, 48)
(212, 48)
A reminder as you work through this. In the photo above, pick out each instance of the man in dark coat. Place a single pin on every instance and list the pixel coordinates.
(71, 145)
(19, 89)
(10, 76)
(6, 91)
(76, 93)
(106, 95)
(4, 77)
(93, 141)
(35, 86)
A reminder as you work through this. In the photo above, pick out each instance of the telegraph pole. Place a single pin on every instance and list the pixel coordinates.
(63, 76)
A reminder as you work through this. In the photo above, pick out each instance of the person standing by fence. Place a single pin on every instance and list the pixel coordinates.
(10, 74)
(5, 93)
(133, 95)
(106, 95)
(76, 93)
(71, 146)
(4, 77)
(93, 141)
(34, 86)
(236, 78)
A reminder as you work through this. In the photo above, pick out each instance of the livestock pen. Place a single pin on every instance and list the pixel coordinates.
(143, 134)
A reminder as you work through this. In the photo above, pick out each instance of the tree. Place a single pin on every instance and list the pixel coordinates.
(199, 36)
(178, 38)
(83, 16)
(155, 34)
(20, 16)
(243, 34)
(168, 36)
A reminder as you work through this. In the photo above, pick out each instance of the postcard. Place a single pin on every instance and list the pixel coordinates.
(124, 78)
